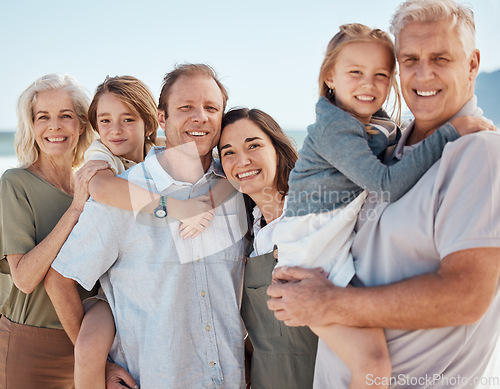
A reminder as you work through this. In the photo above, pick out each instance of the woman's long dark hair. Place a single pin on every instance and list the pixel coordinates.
(284, 146)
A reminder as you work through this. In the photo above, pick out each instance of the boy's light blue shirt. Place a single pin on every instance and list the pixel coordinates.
(175, 302)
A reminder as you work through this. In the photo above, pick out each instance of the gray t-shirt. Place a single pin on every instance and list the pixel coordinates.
(454, 207)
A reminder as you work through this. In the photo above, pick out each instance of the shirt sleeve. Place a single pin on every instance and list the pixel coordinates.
(97, 151)
(91, 248)
(467, 195)
(18, 235)
(345, 146)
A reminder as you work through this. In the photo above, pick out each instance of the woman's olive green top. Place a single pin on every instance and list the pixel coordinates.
(283, 357)
(30, 208)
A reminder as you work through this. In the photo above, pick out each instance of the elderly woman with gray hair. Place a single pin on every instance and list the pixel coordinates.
(40, 203)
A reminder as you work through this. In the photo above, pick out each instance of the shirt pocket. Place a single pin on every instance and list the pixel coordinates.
(157, 240)
(258, 318)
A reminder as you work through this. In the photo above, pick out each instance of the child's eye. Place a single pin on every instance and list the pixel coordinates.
(382, 75)
(355, 72)
(104, 121)
(129, 120)
(228, 152)
(254, 146)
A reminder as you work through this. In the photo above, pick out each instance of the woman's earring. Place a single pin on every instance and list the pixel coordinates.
(331, 91)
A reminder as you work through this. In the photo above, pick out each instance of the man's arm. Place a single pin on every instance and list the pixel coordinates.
(458, 293)
(66, 300)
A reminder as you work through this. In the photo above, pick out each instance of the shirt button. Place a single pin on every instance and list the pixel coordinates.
(203, 293)
(212, 364)
(207, 328)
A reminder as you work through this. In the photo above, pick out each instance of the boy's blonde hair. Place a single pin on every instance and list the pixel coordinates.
(355, 32)
(27, 149)
(137, 98)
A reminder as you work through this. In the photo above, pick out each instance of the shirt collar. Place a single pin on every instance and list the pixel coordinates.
(257, 216)
(163, 179)
(470, 108)
(216, 168)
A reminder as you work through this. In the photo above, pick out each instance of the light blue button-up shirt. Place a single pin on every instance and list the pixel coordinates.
(176, 302)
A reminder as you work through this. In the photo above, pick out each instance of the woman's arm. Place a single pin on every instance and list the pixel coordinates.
(64, 295)
(29, 269)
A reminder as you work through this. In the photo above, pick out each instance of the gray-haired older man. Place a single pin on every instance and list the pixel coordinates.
(431, 260)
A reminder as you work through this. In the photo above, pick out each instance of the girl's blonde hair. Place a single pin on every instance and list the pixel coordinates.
(27, 149)
(356, 32)
(137, 98)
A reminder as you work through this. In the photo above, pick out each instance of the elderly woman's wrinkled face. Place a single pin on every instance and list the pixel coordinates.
(248, 158)
(56, 124)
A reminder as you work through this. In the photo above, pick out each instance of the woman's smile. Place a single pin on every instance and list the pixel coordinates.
(248, 174)
(248, 157)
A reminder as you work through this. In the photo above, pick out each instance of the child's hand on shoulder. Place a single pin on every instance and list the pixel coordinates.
(468, 125)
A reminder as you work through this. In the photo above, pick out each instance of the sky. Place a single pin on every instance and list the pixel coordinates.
(266, 52)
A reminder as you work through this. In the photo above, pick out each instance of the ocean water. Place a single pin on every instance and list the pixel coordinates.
(8, 155)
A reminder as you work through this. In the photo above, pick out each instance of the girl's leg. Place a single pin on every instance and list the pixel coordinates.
(364, 350)
(92, 347)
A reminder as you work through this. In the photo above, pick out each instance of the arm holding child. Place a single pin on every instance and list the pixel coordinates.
(368, 171)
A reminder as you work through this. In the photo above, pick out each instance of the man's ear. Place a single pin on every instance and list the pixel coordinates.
(162, 118)
(475, 59)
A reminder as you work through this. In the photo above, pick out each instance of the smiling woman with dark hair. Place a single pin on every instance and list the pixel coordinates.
(257, 157)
